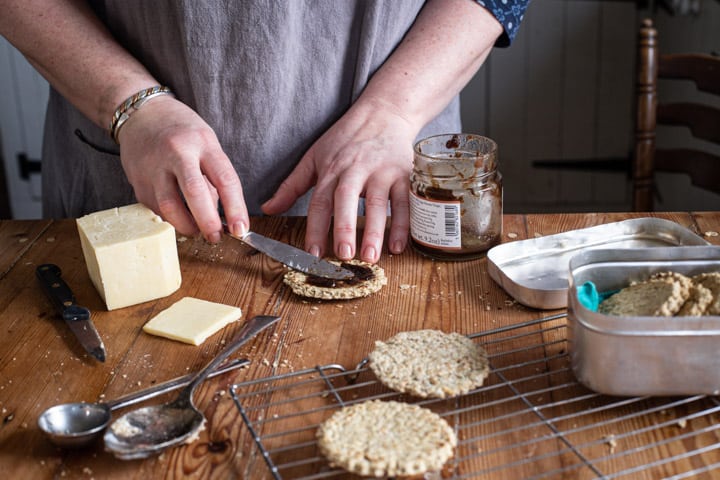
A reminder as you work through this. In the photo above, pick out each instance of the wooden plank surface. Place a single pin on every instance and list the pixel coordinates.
(42, 365)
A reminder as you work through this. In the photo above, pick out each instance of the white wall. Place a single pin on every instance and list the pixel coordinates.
(23, 95)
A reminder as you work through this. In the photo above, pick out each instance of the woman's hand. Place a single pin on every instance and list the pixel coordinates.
(366, 154)
(177, 167)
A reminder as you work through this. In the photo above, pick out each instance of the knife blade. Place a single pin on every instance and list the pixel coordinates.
(293, 257)
(75, 316)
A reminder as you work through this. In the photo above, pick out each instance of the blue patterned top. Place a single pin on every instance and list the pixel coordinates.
(509, 13)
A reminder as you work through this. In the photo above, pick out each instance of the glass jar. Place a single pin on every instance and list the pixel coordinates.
(455, 197)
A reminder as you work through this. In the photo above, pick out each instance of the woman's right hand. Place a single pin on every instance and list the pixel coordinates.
(176, 166)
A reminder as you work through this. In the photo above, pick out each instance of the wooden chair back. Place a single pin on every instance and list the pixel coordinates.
(702, 120)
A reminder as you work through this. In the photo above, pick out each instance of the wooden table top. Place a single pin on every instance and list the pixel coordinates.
(41, 363)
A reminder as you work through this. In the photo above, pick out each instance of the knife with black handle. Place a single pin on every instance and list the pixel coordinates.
(75, 316)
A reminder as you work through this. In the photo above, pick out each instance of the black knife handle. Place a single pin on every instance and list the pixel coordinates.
(56, 288)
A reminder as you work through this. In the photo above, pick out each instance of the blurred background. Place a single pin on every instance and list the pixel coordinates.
(563, 91)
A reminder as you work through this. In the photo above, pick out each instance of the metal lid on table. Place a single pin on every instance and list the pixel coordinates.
(535, 271)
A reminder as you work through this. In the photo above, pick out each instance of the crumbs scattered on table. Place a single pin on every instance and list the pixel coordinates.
(711, 234)
(512, 235)
(611, 442)
(682, 423)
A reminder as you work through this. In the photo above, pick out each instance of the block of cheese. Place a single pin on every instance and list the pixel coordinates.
(131, 255)
(192, 320)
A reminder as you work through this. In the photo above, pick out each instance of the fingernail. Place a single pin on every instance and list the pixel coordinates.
(239, 229)
(214, 237)
(397, 247)
(315, 250)
(369, 254)
(344, 252)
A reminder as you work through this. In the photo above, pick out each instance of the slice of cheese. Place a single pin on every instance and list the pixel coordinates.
(131, 255)
(192, 320)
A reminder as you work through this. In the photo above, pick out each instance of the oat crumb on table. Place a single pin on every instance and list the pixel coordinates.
(611, 442)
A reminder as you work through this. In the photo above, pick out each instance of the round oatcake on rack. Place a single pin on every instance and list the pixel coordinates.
(382, 439)
(429, 363)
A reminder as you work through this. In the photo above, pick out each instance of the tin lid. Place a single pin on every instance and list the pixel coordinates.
(535, 272)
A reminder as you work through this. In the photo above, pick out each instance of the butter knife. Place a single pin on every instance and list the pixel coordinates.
(293, 257)
(75, 316)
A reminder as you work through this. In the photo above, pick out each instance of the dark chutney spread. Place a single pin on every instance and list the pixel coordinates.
(362, 274)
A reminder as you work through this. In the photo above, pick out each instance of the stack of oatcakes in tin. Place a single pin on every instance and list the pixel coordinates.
(667, 294)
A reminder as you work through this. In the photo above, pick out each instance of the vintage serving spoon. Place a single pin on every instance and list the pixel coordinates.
(74, 425)
(150, 430)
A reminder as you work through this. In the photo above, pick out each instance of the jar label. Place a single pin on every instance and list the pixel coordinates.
(435, 223)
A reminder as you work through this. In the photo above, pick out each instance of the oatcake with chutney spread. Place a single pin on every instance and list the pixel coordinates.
(368, 279)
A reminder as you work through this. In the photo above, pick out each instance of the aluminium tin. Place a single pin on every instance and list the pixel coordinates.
(535, 271)
(622, 355)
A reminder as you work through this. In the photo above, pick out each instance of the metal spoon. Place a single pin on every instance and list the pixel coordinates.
(150, 430)
(73, 425)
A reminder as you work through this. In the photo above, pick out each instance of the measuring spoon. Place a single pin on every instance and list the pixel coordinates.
(74, 425)
(150, 430)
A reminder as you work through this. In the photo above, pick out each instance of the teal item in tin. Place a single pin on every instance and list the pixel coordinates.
(590, 298)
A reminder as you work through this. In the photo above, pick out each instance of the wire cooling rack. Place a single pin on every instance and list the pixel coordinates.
(531, 419)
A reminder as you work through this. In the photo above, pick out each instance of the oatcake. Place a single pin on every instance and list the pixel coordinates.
(711, 281)
(429, 363)
(369, 279)
(685, 282)
(697, 303)
(653, 298)
(386, 439)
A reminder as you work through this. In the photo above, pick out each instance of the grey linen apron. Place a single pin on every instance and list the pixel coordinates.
(268, 76)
